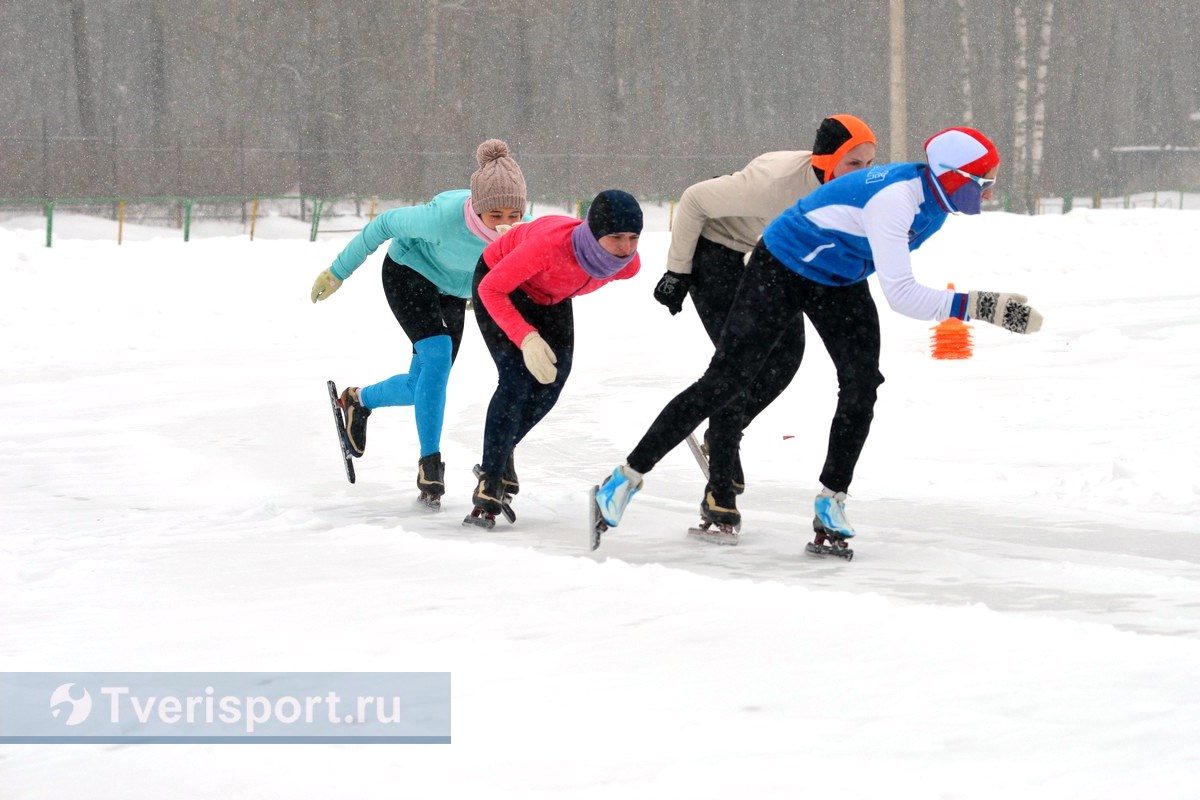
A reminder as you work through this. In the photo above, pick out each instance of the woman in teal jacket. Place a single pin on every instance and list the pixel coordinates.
(427, 279)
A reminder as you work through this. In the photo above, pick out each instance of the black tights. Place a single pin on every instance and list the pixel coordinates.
(768, 306)
(520, 402)
(716, 273)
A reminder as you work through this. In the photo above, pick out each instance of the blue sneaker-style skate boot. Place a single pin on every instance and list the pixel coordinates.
(615, 493)
(831, 526)
(609, 499)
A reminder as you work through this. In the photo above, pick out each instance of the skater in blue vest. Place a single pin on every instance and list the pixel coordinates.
(427, 276)
(814, 260)
(717, 224)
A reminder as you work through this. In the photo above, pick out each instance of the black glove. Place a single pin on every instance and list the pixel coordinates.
(672, 288)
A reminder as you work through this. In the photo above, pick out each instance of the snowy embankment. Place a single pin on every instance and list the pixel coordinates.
(1020, 620)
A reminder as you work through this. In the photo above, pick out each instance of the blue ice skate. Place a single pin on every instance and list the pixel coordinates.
(608, 502)
(831, 515)
(614, 495)
(831, 527)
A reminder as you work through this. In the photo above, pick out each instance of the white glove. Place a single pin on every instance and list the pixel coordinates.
(1008, 311)
(327, 283)
(539, 358)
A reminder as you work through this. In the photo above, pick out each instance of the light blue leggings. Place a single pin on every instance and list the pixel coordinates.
(423, 387)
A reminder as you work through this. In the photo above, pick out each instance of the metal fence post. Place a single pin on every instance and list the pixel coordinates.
(316, 218)
(49, 222)
(187, 219)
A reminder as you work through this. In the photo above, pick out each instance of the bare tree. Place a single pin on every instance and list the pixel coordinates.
(1039, 101)
(964, 38)
(1020, 184)
(84, 91)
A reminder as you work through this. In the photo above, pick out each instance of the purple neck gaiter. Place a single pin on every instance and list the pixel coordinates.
(595, 260)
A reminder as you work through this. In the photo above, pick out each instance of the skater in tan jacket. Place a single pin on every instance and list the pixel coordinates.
(717, 223)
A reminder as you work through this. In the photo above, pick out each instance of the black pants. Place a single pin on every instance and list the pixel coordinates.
(769, 302)
(520, 402)
(420, 308)
(716, 273)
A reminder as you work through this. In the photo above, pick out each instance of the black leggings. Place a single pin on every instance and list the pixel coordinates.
(420, 308)
(716, 273)
(520, 402)
(770, 302)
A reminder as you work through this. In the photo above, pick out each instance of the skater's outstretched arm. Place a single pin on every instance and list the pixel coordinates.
(411, 222)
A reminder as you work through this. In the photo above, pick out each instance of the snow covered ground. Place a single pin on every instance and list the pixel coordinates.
(1022, 617)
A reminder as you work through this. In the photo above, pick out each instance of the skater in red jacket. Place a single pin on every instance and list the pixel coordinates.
(524, 283)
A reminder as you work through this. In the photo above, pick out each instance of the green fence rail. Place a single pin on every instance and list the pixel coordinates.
(186, 207)
(312, 209)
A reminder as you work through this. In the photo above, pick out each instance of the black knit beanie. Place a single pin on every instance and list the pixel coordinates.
(614, 211)
(836, 136)
(831, 135)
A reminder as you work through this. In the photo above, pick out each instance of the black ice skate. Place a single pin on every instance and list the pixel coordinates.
(355, 420)
(490, 499)
(340, 423)
(720, 519)
(512, 484)
(700, 451)
(431, 474)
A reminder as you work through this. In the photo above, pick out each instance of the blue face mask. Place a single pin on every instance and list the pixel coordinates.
(968, 198)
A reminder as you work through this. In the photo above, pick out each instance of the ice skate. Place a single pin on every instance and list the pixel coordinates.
(700, 450)
(489, 499)
(339, 422)
(720, 521)
(355, 415)
(431, 474)
(613, 496)
(831, 527)
(607, 501)
(512, 485)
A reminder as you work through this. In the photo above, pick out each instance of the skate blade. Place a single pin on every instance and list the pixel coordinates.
(339, 423)
(596, 523)
(429, 503)
(479, 519)
(716, 535)
(505, 508)
(698, 451)
(837, 550)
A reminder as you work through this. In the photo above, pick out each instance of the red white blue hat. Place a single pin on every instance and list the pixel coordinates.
(959, 148)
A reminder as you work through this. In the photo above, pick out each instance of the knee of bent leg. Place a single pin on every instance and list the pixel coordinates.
(860, 387)
(435, 354)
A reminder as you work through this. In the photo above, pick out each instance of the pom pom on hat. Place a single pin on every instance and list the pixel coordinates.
(490, 151)
(959, 148)
(499, 182)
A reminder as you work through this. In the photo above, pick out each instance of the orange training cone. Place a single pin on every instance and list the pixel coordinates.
(951, 338)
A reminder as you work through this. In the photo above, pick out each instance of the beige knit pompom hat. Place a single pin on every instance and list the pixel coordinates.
(498, 183)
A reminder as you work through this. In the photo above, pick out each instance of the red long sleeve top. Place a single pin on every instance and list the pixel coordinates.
(539, 259)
